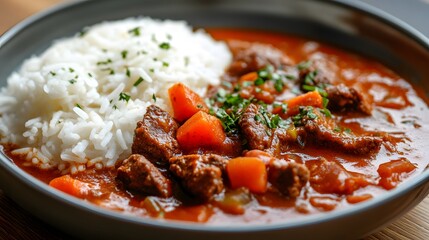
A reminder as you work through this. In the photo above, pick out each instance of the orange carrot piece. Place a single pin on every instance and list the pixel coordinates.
(248, 172)
(392, 172)
(201, 130)
(313, 99)
(69, 185)
(249, 77)
(185, 102)
(352, 199)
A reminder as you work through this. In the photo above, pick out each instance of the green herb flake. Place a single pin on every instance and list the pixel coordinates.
(325, 102)
(199, 106)
(77, 105)
(186, 61)
(140, 80)
(71, 70)
(152, 70)
(72, 81)
(52, 73)
(108, 61)
(154, 97)
(165, 64)
(326, 112)
(135, 31)
(124, 97)
(304, 65)
(309, 78)
(278, 85)
(259, 81)
(164, 45)
(124, 54)
(169, 37)
(128, 72)
(90, 75)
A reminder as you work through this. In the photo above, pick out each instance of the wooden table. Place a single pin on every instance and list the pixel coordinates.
(16, 223)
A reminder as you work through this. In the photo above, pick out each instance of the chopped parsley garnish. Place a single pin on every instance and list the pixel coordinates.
(165, 64)
(124, 97)
(164, 45)
(71, 70)
(124, 54)
(304, 112)
(151, 70)
(326, 112)
(89, 74)
(115, 107)
(135, 31)
(272, 121)
(128, 72)
(283, 106)
(259, 81)
(304, 65)
(309, 78)
(154, 97)
(278, 85)
(52, 73)
(83, 32)
(72, 81)
(108, 61)
(140, 80)
(77, 105)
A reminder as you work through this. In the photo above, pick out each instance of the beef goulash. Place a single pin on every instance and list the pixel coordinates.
(295, 128)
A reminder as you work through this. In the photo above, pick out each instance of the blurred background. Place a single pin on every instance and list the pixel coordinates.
(414, 12)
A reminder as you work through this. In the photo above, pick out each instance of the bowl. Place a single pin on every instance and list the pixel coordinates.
(350, 25)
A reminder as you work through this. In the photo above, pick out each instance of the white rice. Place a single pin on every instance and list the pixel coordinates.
(63, 107)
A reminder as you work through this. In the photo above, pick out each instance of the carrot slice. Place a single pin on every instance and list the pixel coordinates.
(248, 172)
(393, 172)
(352, 199)
(201, 130)
(313, 99)
(69, 185)
(252, 76)
(185, 102)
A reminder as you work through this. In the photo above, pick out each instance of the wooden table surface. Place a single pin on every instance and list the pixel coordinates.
(16, 223)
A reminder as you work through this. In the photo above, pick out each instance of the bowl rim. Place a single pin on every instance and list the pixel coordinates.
(73, 202)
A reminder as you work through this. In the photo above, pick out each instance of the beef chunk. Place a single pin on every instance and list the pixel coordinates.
(258, 135)
(343, 98)
(331, 177)
(155, 136)
(288, 177)
(323, 131)
(249, 57)
(138, 174)
(200, 175)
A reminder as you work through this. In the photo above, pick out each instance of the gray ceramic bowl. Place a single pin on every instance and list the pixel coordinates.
(349, 25)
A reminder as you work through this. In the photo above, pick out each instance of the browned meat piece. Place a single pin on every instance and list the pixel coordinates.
(342, 98)
(138, 174)
(258, 135)
(155, 136)
(200, 175)
(288, 177)
(331, 177)
(249, 57)
(322, 131)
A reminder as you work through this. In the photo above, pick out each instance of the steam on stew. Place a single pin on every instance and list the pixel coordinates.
(296, 128)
